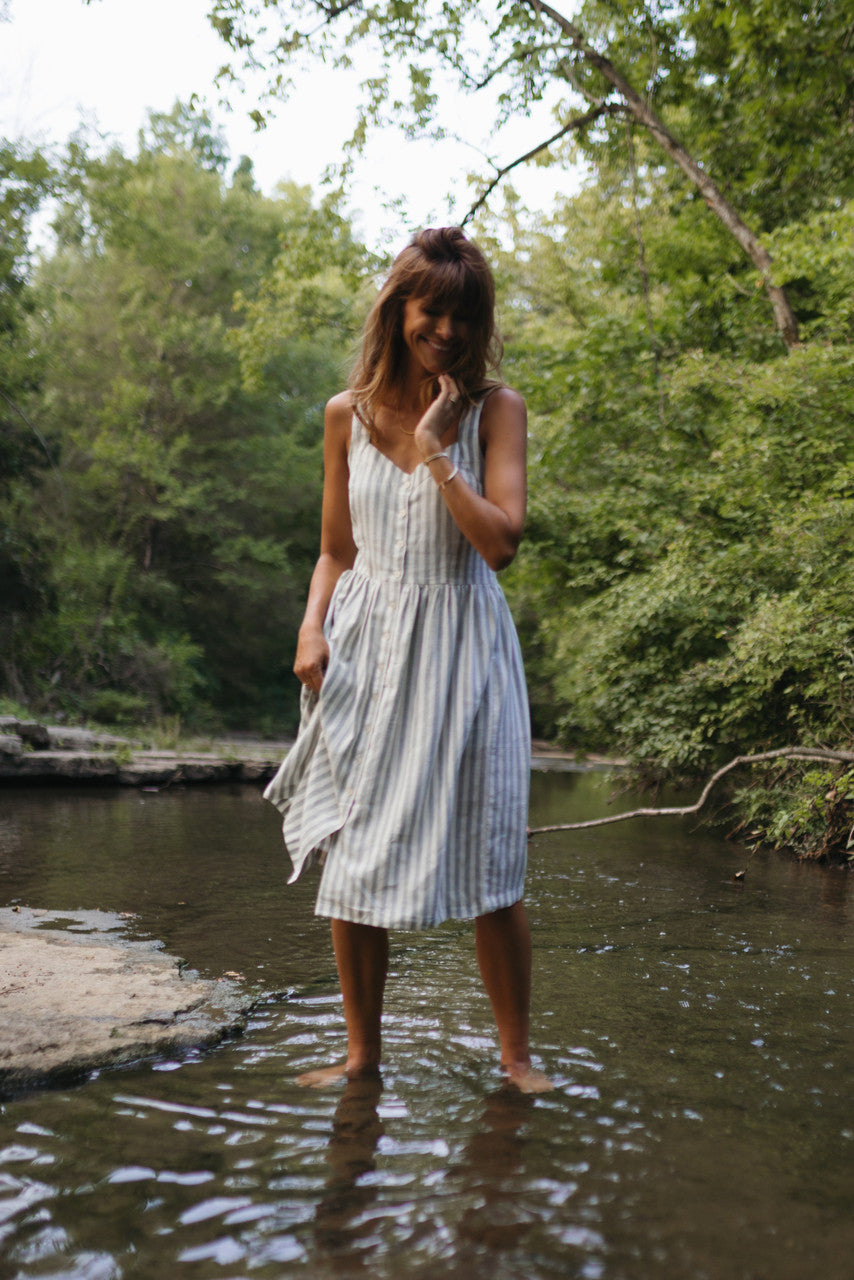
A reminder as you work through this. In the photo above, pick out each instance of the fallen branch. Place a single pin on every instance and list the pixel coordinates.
(685, 811)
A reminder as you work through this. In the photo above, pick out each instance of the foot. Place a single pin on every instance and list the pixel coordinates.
(526, 1078)
(320, 1077)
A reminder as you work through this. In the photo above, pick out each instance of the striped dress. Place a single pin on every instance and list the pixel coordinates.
(409, 776)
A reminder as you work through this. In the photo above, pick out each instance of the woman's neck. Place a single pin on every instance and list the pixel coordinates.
(412, 394)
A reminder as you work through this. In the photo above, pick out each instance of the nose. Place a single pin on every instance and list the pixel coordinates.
(445, 326)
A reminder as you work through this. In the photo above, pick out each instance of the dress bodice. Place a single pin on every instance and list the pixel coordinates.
(401, 525)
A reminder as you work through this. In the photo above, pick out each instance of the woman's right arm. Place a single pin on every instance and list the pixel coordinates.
(337, 548)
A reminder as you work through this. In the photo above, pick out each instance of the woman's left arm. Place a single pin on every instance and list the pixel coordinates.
(493, 523)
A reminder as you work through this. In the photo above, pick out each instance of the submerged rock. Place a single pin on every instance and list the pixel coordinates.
(77, 994)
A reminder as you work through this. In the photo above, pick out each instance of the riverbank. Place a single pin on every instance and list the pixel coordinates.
(31, 751)
(35, 752)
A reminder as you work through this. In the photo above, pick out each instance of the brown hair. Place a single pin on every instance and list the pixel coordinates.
(445, 268)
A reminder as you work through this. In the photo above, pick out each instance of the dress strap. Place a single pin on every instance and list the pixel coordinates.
(468, 438)
(358, 434)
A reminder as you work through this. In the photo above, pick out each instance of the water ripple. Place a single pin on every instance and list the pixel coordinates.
(700, 1125)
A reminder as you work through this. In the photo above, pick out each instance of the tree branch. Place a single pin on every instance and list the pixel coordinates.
(516, 56)
(711, 193)
(602, 108)
(335, 10)
(330, 13)
(780, 753)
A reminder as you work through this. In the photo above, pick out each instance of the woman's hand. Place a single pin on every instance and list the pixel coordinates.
(312, 659)
(439, 417)
(492, 520)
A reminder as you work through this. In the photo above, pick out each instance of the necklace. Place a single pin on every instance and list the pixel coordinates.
(397, 411)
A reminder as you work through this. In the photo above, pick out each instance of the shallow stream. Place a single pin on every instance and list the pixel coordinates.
(698, 1030)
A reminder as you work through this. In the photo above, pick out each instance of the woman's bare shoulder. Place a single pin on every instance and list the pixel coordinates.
(339, 413)
(340, 405)
(503, 409)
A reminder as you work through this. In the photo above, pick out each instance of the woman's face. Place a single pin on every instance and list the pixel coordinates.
(433, 335)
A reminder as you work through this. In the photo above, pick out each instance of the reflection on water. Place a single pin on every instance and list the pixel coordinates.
(699, 1031)
(341, 1225)
(492, 1158)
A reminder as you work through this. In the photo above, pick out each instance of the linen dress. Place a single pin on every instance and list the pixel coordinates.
(409, 777)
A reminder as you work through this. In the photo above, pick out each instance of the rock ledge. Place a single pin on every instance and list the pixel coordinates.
(76, 994)
(32, 752)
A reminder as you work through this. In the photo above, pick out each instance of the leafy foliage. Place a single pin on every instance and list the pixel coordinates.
(190, 525)
(26, 177)
(685, 591)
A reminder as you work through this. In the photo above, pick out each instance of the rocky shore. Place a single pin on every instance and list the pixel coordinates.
(34, 752)
(76, 994)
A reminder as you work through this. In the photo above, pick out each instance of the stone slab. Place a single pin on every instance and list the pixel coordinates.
(138, 768)
(76, 994)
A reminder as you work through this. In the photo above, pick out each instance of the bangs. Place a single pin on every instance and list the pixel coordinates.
(453, 286)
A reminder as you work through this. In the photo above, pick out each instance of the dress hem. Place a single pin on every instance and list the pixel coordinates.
(354, 916)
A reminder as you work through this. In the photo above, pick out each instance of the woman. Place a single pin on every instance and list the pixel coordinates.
(409, 777)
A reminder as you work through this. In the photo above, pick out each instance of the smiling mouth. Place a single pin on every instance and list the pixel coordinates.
(444, 348)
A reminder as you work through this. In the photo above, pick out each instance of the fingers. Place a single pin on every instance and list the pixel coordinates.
(311, 675)
(448, 388)
(310, 668)
(439, 416)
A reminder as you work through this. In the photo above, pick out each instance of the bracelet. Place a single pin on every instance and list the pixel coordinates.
(455, 472)
(434, 456)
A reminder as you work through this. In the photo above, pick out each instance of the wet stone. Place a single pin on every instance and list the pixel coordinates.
(77, 994)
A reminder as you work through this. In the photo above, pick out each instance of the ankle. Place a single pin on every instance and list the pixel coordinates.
(364, 1060)
(515, 1051)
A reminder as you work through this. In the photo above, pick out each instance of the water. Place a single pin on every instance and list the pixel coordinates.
(698, 1030)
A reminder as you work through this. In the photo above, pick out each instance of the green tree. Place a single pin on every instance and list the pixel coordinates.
(684, 589)
(180, 569)
(26, 178)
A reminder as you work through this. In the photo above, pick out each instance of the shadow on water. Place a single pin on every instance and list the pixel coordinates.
(698, 1029)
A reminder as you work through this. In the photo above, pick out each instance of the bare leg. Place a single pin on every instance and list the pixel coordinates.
(503, 942)
(361, 954)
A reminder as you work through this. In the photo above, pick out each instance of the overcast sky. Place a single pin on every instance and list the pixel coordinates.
(111, 61)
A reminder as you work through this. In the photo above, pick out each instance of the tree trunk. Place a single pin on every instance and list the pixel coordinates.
(784, 317)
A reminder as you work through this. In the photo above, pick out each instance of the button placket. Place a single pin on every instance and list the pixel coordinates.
(401, 523)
